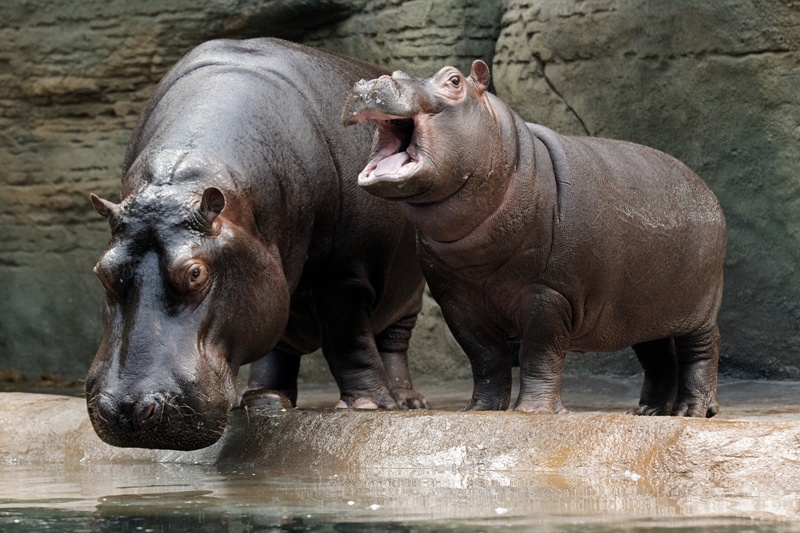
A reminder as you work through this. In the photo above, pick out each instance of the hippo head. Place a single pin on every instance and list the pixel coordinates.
(191, 293)
(432, 134)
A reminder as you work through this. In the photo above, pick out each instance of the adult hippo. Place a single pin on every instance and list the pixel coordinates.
(562, 243)
(242, 231)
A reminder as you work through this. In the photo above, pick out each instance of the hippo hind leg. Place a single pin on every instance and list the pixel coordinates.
(698, 358)
(348, 343)
(392, 344)
(660, 387)
(278, 371)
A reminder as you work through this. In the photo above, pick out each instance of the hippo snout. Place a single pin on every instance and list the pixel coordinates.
(151, 419)
(382, 98)
(129, 414)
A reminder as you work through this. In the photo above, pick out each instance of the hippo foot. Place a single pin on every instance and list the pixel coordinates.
(366, 401)
(265, 399)
(696, 408)
(410, 399)
(652, 410)
(474, 405)
(358, 403)
(540, 408)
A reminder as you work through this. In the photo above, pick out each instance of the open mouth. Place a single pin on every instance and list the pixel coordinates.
(395, 155)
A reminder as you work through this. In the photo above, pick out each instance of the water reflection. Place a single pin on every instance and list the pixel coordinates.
(204, 521)
(168, 497)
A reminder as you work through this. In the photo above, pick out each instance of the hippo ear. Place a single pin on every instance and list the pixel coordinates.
(480, 75)
(211, 205)
(107, 210)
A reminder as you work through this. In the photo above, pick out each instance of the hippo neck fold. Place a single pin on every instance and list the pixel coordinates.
(495, 158)
(471, 228)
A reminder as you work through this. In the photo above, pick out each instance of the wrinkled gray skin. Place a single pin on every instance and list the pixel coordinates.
(562, 243)
(241, 232)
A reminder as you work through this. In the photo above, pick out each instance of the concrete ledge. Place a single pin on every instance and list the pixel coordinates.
(43, 428)
(444, 464)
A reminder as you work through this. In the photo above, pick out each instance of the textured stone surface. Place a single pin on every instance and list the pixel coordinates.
(714, 84)
(417, 36)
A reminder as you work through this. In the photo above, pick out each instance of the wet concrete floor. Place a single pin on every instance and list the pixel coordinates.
(315, 469)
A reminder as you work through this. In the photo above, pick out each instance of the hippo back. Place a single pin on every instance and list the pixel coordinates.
(270, 109)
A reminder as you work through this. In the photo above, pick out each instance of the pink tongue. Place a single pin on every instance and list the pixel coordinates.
(392, 164)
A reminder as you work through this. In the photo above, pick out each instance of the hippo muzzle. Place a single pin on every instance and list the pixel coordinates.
(414, 120)
(150, 388)
(165, 417)
(389, 97)
(396, 105)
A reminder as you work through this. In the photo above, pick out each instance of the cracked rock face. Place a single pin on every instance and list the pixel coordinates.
(714, 85)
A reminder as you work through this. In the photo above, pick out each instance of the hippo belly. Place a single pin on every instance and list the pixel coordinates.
(645, 235)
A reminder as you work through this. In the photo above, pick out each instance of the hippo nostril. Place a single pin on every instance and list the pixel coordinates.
(107, 410)
(147, 409)
(147, 413)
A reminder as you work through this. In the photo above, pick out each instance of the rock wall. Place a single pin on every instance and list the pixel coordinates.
(711, 83)
(417, 36)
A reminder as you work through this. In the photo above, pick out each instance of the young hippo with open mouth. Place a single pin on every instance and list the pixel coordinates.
(563, 243)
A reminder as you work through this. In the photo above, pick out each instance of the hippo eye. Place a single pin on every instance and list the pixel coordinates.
(455, 80)
(113, 283)
(196, 276)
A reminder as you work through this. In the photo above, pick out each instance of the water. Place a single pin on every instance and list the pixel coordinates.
(171, 498)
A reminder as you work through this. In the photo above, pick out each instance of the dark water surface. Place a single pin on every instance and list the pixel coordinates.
(201, 498)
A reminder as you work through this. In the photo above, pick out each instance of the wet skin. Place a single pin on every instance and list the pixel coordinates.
(562, 243)
(242, 237)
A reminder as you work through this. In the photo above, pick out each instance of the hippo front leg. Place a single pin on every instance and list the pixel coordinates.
(278, 370)
(348, 345)
(543, 350)
(491, 375)
(392, 344)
